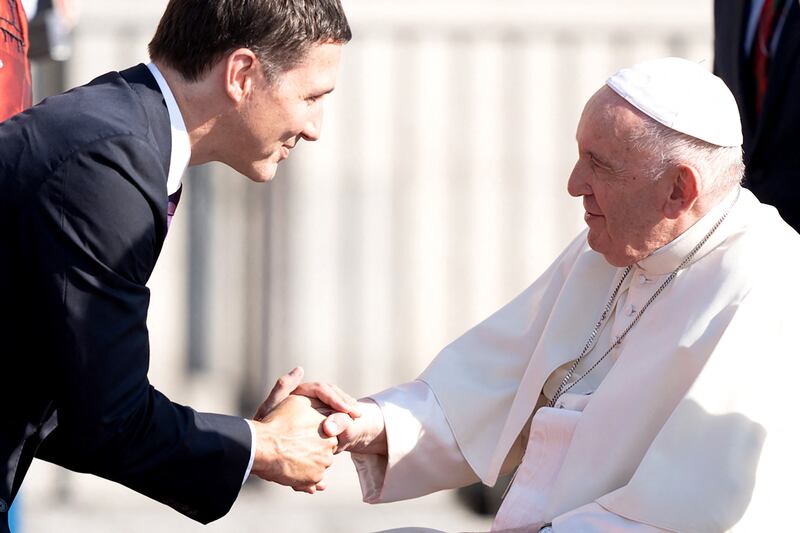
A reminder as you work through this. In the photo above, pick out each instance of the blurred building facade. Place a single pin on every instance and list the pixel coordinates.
(436, 194)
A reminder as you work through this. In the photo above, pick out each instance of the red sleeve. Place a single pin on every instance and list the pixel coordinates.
(15, 73)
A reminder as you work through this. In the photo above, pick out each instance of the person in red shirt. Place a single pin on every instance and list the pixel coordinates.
(15, 73)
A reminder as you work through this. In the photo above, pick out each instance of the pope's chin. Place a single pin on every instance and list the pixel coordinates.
(603, 247)
(596, 232)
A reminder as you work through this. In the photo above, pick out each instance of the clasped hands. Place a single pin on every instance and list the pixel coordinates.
(301, 426)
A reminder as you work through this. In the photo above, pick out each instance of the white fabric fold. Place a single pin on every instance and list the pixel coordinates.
(694, 379)
(423, 455)
(526, 503)
(593, 518)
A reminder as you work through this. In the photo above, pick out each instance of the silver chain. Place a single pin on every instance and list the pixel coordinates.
(563, 388)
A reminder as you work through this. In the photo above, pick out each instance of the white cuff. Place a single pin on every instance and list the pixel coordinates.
(423, 456)
(252, 449)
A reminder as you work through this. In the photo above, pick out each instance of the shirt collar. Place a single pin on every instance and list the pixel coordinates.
(181, 146)
(669, 257)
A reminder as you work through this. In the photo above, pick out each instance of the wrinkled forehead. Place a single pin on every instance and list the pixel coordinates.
(608, 106)
(608, 115)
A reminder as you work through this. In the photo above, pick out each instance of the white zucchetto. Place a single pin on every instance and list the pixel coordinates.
(683, 96)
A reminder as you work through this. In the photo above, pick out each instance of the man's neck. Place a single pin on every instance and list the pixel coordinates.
(200, 107)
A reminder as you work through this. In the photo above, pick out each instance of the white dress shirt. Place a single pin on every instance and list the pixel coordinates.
(178, 163)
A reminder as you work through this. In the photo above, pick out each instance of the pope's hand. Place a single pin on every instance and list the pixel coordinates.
(366, 434)
(332, 396)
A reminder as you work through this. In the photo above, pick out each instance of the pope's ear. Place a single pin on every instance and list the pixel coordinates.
(241, 69)
(684, 190)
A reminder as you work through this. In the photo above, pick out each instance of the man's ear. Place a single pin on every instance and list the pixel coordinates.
(685, 189)
(241, 69)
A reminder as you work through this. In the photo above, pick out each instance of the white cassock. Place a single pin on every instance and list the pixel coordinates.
(689, 425)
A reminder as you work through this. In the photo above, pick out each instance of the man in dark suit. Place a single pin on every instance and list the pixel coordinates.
(757, 53)
(88, 182)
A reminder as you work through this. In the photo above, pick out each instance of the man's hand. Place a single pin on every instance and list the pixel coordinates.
(290, 435)
(366, 434)
(290, 447)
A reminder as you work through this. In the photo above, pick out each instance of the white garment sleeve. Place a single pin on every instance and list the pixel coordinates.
(593, 518)
(423, 454)
(252, 449)
(30, 7)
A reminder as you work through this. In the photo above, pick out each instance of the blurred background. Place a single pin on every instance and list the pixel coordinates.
(436, 194)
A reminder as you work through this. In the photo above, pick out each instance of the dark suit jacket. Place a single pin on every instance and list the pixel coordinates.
(83, 216)
(772, 142)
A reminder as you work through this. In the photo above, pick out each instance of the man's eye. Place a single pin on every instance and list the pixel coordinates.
(595, 164)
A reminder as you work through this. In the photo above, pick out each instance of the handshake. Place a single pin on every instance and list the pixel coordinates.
(300, 426)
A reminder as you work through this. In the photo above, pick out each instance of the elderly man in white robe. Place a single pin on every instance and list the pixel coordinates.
(645, 382)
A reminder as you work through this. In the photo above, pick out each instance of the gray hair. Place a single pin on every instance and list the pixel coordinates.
(721, 168)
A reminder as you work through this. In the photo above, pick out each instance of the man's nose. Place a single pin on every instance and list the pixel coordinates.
(577, 184)
(313, 127)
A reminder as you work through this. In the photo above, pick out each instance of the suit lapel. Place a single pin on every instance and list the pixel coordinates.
(738, 20)
(739, 17)
(141, 80)
(783, 64)
(145, 85)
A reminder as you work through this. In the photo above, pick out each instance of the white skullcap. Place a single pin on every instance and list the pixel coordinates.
(683, 96)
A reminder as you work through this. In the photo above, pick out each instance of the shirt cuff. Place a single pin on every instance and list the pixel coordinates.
(423, 456)
(252, 449)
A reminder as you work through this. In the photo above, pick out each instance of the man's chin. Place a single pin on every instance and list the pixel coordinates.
(262, 173)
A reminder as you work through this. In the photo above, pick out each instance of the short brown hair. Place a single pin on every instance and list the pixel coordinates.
(194, 34)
